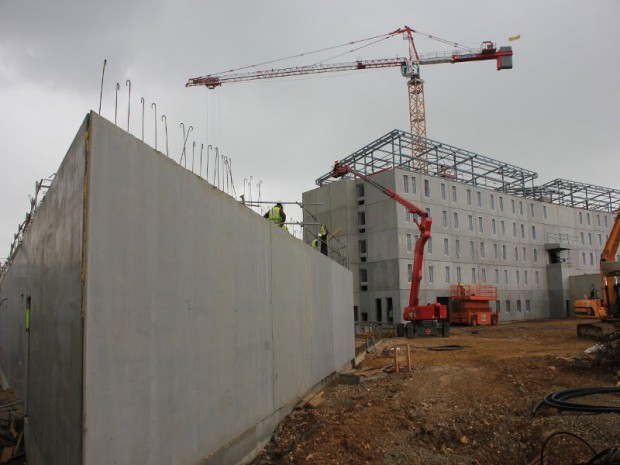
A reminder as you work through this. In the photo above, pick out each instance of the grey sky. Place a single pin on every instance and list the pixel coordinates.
(556, 112)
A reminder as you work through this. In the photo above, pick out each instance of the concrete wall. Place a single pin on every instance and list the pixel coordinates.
(204, 322)
(44, 365)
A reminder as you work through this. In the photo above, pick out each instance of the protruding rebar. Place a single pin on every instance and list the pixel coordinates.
(142, 102)
(105, 62)
(165, 120)
(128, 83)
(154, 106)
(118, 87)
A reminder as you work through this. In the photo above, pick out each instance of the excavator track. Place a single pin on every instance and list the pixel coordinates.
(597, 331)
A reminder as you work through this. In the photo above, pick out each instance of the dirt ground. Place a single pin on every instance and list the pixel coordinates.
(468, 406)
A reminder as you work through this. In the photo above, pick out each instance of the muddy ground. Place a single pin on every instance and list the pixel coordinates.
(468, 406)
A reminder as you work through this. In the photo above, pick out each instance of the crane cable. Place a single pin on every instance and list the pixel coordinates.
(382, 36)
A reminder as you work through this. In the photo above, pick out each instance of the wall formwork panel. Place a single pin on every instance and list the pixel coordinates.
(203, 324)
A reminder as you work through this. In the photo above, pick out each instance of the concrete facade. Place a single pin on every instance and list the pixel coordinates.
(527, 248)
(199, 324)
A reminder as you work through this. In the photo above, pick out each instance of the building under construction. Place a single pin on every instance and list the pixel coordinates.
(492, 224)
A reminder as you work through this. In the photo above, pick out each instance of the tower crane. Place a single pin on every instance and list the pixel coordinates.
(409, 67)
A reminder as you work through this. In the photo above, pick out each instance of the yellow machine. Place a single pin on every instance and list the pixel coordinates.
(606, 309)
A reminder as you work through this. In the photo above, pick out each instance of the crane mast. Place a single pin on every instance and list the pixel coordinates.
(410, 69)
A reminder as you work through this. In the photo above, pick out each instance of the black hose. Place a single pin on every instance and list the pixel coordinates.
(448, 347)
(559, 399)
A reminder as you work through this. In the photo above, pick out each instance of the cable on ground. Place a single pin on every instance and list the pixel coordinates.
(559, 399)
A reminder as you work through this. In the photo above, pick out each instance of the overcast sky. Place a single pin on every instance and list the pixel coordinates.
(556, 112)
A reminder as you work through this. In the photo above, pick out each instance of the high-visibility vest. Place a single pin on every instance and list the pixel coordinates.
(323, 231)
(315, 244)
(275, 216)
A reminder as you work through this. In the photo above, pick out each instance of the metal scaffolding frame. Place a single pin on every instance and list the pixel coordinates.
(397, 148)
(574, 194)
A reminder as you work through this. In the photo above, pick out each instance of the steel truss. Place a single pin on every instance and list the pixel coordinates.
(396, 149)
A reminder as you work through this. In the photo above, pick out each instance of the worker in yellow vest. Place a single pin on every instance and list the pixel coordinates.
(323, 236)
(315, 243)
(276, 215)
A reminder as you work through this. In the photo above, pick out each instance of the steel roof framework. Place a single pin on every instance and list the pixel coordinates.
(396, 149)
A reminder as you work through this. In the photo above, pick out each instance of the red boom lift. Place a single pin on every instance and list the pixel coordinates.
(424, 320)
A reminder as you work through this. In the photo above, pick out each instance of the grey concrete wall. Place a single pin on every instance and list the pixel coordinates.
(44, 365)
(581, 285)
(204, 322)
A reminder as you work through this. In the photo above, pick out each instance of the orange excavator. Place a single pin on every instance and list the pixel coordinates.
(423, 320)
(605, 309)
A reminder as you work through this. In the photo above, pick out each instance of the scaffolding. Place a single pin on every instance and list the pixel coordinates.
(396, 148)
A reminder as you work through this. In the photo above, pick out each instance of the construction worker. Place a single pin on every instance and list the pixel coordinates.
(323, 236)
(461, 289)
(276, 214)
(315, 243)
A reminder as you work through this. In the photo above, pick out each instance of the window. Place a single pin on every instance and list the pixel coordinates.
(409, 243)
(431, 277)
(429, 245)
(479, 199)
(519, 305)
(528, 308)
(457, 248)
(535, 255)
(524, 254)
(580, 218)
(493, 226)
(427, 188)
(520, 208)
(378, 310)
(407, 215)
(443, 191)
(545, 211)
(360, 190)
(414, 187)
(591, 259)
(536, 277)
(482, 250)
(447, 274)
(598, 220)
(495, 254)
(468, 196)
(533, 232)
(516, 254)
(514, 229)
(406, 184)
(532, 210)
(444, 218)
(428, 211)
(590, 238)
(496, 272)
(522, 231)
(504, 252)
(605, 220)
(480, 228)
(458, 274)
(363, 279)
(508, 306)
(454, 193)
(361, 221)
(512, 205)
(473, 276)
(600, 239)
(525, 277)
(518, 276)
(583, 241)
(492, 202)
(362, 247)
(501, 204)
(588, 218)
(471, 222)
(456, 220)
(390, 310)
(583, 258)
(409, 271)
(498, 306)
(446, 247)
(472, 250)
(503, 225)
(484, 275)
(506, 277)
